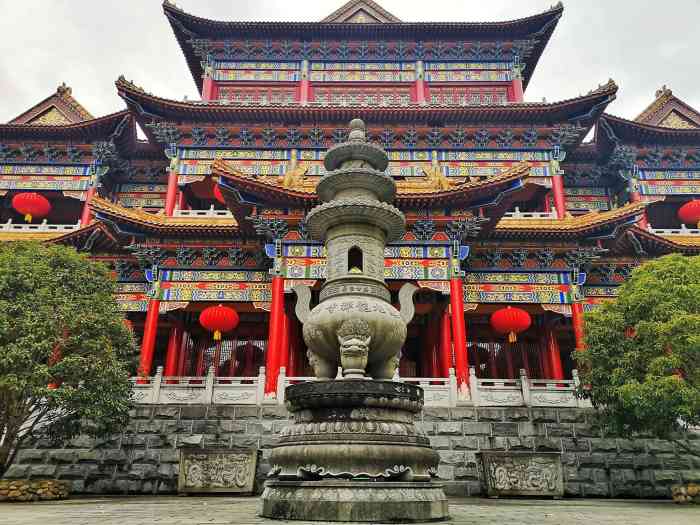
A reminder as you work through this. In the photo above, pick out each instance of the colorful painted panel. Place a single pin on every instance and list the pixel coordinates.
(517, 278)
(257, 96)
(35, 169)
(362, 76)
(141, 200)
(257, 75)
(305, 268)
(669, 187)
(213, 276)
(12, 182)
(233, 154)
(517, 156)
(463, 96)
(394, 269)
(487, 169)
(457, 66)
(468, 76)
(600, 291)
(363, 66)
(215, 291)
(668, 175)
(240, 64)
(515, 293)
(348, 96)
(405, 252)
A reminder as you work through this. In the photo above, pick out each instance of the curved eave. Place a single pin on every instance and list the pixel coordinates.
(102, 128)
(467, 194)
(653, 243)
(136, 221)
(591, 225)
(187, 27)
(583, 110)
(96, 235)
(612, 129)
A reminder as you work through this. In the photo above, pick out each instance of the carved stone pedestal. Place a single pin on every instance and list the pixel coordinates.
(357, 501)
(354, 453)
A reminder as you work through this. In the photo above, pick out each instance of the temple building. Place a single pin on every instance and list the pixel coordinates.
(509, 211)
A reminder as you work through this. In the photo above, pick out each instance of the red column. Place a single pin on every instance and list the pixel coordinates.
(545, 363)
(184, 341)
(148, 343)
(284, 348)
(577, 321)
(510, 369)
(209, 88)
(559, 197)
(459, 333)
(445, 343)
(85, 214)
(171, 194)
(554, 356)
(181, 201)
(272, 360)
(635, 196)
(172, 355)
(516, 90)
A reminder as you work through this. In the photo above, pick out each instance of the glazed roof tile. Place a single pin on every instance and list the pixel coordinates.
(150, 222)
(188, 27)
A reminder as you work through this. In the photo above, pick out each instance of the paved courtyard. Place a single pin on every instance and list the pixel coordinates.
(242, 511)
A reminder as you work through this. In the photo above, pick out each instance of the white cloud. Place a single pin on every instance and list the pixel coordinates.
(88, 44)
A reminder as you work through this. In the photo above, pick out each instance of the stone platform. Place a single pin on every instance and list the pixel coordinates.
(144, 458)
(218, 510)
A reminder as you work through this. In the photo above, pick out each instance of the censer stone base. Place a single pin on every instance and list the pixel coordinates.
(358, 501)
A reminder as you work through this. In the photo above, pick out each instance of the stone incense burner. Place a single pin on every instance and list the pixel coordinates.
(353, 451)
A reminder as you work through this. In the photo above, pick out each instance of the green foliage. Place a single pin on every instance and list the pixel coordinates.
(52, 297)
(642, 361)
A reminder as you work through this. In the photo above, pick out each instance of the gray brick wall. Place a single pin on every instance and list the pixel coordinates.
(144, 459)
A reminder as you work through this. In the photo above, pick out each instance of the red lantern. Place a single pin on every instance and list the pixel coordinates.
(31, 205)
(218, 195)
(218, 319)
(510, 321)
(689, 213)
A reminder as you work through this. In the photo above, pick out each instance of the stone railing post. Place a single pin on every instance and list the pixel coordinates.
(281, 379)
(209, 386)
(452, 385)
(525, 386)
(155, 385)
(474, 386)
(260, 391)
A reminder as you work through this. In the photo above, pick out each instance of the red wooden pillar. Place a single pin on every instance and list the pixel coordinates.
(510, 369)
(518, 93)
(181, 200)
(171, 193)
(86, 212)
(285, 341)
(577, 322)
(209, 87)
(54, 358)
(172, 355)
(553, 355)
(420, 88)
(148, 343)
(558, 193)
(184, 343)
(445, 343)
(274, 339)
(635, 196)
(459, 333)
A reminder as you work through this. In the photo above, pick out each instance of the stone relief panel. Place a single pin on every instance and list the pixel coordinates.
(523, 474)
(210, 470)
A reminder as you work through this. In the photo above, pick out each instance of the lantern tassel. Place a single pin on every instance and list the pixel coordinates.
(27, 217)
(217, 335)
(512, 338)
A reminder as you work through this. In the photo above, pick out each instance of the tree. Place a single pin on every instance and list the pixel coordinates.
(641, 365)
(64, 347)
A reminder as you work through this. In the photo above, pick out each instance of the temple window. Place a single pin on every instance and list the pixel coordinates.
(355, 260)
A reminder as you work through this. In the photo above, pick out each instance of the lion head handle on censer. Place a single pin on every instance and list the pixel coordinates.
(355, 326)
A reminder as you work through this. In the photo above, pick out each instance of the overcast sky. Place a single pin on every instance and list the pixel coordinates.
(641, 44)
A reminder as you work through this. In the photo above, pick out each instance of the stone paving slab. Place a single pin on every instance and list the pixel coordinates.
(242, 511)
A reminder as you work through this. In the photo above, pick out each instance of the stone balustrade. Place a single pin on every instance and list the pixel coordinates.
(211, 212)
(439, 391)
(675, 231)
(517, 214)
(43, 226)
